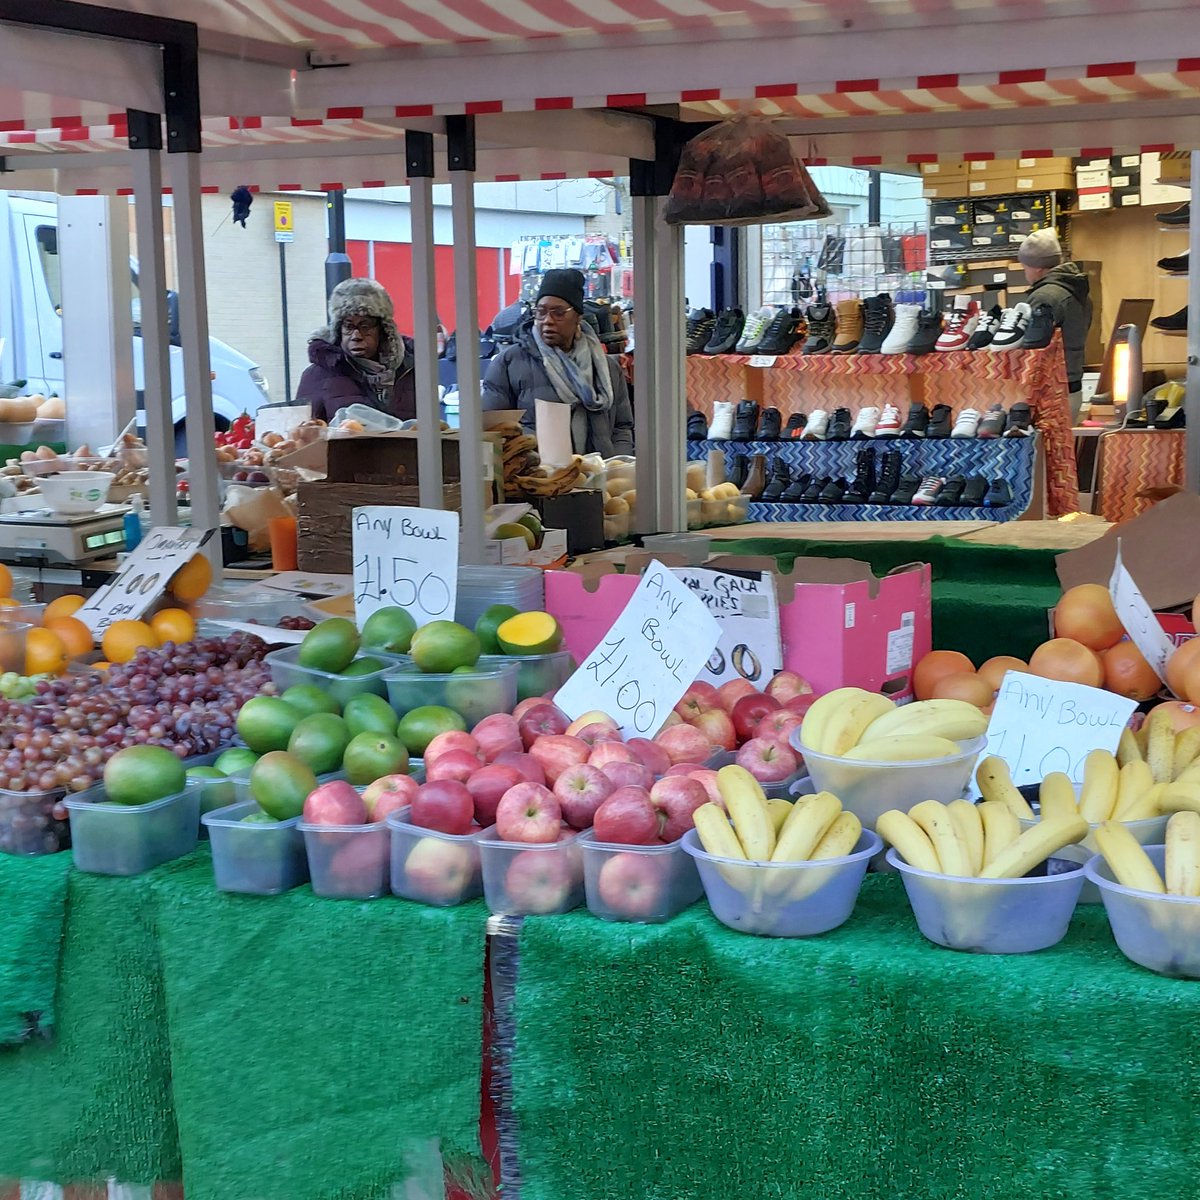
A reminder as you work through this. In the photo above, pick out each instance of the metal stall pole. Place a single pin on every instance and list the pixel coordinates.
(460, 153)
(669, 381)
(418, 153)
(1192, 398)
(145, 135)
(645, 299)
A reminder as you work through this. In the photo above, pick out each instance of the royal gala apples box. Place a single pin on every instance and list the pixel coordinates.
(515, 552)
(840, 625)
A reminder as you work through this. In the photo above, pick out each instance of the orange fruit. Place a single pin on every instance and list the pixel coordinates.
(123, 639)
(192, 580)
(9, 602)
(1183, 671)
(1128, 674)
(1085, 614)
(933, 666)
(173, 625)
(1068, 661)
(995, 668)
(6, 581)
(64, 606)
(74, 634)
(964, 685)
(45, 653)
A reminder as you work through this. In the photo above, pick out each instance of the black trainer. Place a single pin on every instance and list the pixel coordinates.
(973, 494)
(726, 332)
(889, 478)
(700, 324)
(822, 328)
(769, 425)
(1177, 322)
(1040, 329)
(833, 492)
(906, 489)
(929, 329)
(1020, 420)
(780, 478)
(697, 427)
(1175, 265)
(878, 318)
(745, 421)
(986, 329)
(795, 425)
(941, 421)
(864, 476)
(840, 425)
(739, 469)
(794, 492)
(815, 487)
(951, 493)
(916, 423)
(781, 332)
(999, 494)
(1177, 216)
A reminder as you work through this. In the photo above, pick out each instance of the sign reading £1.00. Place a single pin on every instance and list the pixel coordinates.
(406, 557)
(648, 659)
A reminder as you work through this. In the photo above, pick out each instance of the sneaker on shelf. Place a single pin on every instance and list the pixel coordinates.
(863, 483)
(755, 327)
(1171, 417)
(992, 423)
(794, 492)
(700, 324)
(1177, 264)
(878, 317)
(916, 423)
(1040, 330)
(929, 329)
(795, 425)
(780, 478)
(1177, 216)
(1011, 329)
(904, 328)
(967, 425)
(887, 479)
(849, 326)
(999, 494)
(726, 331)
(941, 421)
(816, 486)
(822, 328)
(745, 421)
(818, 423)
(781, 332)
(951, 492)
(905, 490)
(1177, 322)
(839, 426)
(1020, 421)
(928, 491)
(833, 492)
(974, 492)
(769, 425)
(989, 322)
(960, 324)
(697, 427)
(721, 426)
(889, 423)
(865, 424)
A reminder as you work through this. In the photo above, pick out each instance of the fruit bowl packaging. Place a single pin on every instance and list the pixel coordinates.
(643, 884)
(259, 859)
(473, 694)
(28, 824)
(129, 839)
(993, 916)
(537, 674)
(523, 879)
(1160, 933)
(286, 670)
(348, 862)
(432, 867)
(796, 784)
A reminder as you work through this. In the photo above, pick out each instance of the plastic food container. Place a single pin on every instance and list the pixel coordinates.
(286, 671)
(473, 694)
(695, 517)
(128, 839)
(481, 587)
(646, 884)
(348, 862)
(28, 824)
(256, 605)
(993, 916)
(783, 899)
(431, 867)
(1160, 933)
(12, 641)
(76, 491)
(616, 527)
(869, 789)
(537, 674)
(521, 880)
(261, 859)
(65, 462)
(693, 547)
(784, 789)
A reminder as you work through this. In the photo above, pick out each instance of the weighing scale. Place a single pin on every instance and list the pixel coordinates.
(44, 537)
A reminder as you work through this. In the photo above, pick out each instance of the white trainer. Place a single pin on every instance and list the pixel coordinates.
(722, 422)
(865, 424)
(903, 330)
(818, 424)
(967, 425)
(1010, 331)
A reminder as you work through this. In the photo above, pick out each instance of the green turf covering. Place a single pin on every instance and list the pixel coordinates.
(689, 1061)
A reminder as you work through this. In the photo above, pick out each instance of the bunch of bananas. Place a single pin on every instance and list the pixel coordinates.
(1170, 761)
(1131, 865)
(547, 482)
(864, 726)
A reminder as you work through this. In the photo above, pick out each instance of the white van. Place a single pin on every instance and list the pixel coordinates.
(31, 321)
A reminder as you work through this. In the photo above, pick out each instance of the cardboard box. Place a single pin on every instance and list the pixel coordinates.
(991, 184)
(946, 190)
(515, 552)
(391, 458)
(943, 241)
(1095, 201)
(951, 213)
(581, 514)
(1126, 197)
(935, 171)
(1164, 175)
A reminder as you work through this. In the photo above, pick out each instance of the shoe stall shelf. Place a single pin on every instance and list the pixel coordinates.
(1130, 462)
(959, 378)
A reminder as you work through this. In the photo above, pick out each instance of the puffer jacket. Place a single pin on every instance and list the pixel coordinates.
(515, 378)
(332, 381)
(1065, 289)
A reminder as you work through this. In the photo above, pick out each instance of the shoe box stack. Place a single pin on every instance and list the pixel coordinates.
(989, 227)
(995, 177)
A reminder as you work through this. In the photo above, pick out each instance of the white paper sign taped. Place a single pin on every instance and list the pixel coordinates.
(406, 557)
(1138, 618)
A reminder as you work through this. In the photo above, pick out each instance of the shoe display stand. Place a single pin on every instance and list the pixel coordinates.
(1130, 461)
(961, 379)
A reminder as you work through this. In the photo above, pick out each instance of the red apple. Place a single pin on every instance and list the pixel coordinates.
(335, 803)
(529, 768)
(389, 794)
(487, 785)
(528, 812)
(440, 871)
(359, 865)
(609, 752)
(634, 885)
(684, 743)
(779, 725)
(683, 768)
(598, 733)
(496, 734)
(732, 690)
(523, 706)
(786, 685)
(802, 703)
(717, 726)
(558, 751)
(677, 797)
(540, 720)
(452, 739)
(700, 698)
(458, 765)
(651, 754)
(444, 805)
(767, 760)
(625, 774)
(580, 789)
(594, 717)
(628, 818)
(539, 881)
(749, 710)
(707, 779)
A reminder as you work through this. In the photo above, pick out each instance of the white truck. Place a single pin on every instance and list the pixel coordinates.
(31, 327)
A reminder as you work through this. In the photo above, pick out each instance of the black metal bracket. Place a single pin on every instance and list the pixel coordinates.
(418, 154)
(144, 128)
(654, 178)
(460, 143)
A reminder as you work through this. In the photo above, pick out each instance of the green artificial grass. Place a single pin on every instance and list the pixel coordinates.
(689, 1062)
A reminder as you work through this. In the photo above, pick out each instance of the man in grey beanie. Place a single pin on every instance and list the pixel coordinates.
(1063, 287)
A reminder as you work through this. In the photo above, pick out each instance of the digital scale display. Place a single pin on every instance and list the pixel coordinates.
(113, 538)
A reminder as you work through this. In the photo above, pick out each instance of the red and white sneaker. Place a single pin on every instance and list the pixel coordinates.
(890, 423)
(927, 492)
(960, 324)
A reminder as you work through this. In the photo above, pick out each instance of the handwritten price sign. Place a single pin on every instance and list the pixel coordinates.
(651, 655)
(1039, 725)
(1138, 618)
(142, 578)
(406, 557)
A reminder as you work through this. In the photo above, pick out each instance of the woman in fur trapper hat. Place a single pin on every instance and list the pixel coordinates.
(360, 356)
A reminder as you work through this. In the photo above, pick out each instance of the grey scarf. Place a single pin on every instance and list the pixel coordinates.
(381, 379)
(579, 375)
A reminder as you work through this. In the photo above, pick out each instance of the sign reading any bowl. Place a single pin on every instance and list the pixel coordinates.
(654, 651)
(1039, 725)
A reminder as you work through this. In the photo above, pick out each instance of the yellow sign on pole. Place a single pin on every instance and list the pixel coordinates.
(283, 221)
